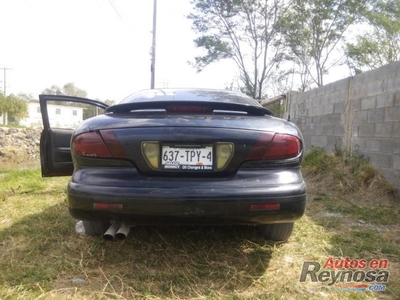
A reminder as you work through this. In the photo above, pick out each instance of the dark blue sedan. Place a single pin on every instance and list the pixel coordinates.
(175, 156)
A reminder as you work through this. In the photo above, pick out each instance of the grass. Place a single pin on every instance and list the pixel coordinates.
(348, 215)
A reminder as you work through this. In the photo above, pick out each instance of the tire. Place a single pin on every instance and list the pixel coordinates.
(277, 232)
(96, 228)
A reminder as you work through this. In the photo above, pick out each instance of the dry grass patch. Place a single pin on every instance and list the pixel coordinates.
(41, 256)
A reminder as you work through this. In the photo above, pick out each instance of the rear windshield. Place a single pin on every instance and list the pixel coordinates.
(191, 95)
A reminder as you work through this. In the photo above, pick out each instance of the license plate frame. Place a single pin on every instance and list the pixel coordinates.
(195, 158)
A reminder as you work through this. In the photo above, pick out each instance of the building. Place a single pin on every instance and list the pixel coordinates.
(60, 116)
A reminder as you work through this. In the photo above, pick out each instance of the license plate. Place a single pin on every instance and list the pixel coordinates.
(187, 158)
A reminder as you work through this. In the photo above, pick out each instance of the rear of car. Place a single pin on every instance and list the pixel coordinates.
(187, 157)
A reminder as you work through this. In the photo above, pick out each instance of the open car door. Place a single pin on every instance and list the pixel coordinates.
(60, 115)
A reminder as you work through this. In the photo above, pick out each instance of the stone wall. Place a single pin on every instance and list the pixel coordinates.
(19, 145)
(357, 113)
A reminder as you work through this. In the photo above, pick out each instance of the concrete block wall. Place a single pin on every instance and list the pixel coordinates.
(357, 113)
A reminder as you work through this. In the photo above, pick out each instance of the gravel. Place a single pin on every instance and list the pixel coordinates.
(19, 144)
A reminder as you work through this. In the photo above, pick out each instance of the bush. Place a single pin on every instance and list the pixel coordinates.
(351, 171)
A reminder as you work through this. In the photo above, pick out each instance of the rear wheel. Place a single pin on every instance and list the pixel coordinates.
(277, 232)
(96, 228)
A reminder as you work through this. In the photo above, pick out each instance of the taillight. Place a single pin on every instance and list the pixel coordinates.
(113, 144)
(275, 146)
(259, 149)
(90, 144)
(283, 146)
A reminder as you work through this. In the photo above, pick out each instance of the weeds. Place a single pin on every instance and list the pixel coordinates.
(317, 161)
(350, 172)
(41, 257)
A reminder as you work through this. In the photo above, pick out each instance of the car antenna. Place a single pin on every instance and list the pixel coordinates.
(288, 99)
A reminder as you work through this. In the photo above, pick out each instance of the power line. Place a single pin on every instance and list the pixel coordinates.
(153, 47)
(5, 80)
(5, 114)
(115, 9)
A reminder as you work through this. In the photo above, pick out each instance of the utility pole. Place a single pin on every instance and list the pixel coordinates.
(153, 46)
(5, 114)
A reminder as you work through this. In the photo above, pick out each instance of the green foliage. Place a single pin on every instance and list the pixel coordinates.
(68, 89)
(312, 30)
(14, 106)
(260, 36)
(351, 171)
(71, 90)
(53, 90)
(245, 31)
(380, 45)
(277, 109)
(216, 50)
(3, 106)
(26, 97)
(374, 215)
(363, 171)
(317, 160)
(109, 102)
(24, 181)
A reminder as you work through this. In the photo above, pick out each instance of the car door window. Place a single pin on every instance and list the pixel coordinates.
(68, 115)
(61, 115)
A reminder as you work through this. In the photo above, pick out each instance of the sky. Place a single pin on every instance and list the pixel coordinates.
(102, 46)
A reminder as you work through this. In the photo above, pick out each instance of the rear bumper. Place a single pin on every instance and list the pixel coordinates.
(198, 212)
(193, 202)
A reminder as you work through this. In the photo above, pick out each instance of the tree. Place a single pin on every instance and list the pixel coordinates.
(313, 29)
(26, 97)
(245, 31)
(16, 107)
(2, 103)
(380, 45)
(109, 102)
(68, 89)
(53, 90)
(13, 107)
(71, 90)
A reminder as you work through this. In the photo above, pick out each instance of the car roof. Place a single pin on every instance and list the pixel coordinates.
(185, 94)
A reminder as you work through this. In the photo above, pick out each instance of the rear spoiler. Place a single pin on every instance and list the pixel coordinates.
(208, 105)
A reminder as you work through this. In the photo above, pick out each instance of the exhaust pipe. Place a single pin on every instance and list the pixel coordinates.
(110, 233)
(123, 231)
